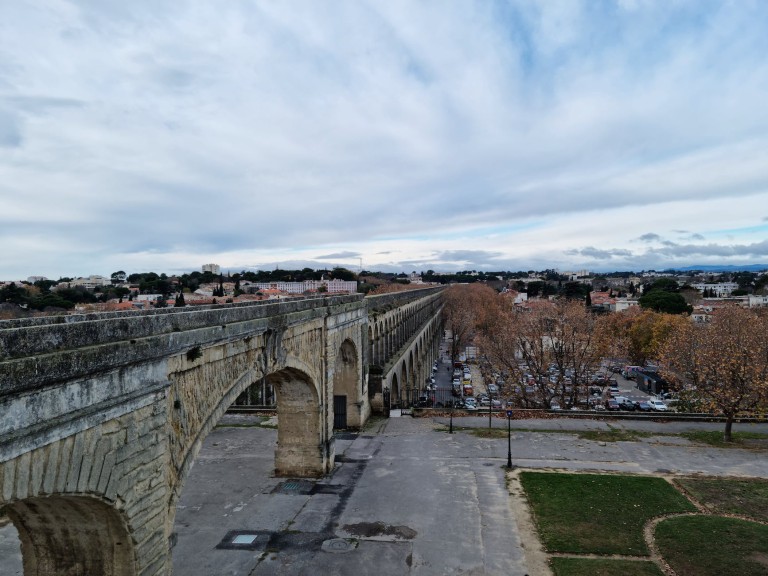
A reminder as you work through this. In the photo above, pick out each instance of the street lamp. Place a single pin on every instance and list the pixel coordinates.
(509, 439)
(490, 411)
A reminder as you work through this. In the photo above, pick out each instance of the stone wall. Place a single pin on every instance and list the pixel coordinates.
(103, 414)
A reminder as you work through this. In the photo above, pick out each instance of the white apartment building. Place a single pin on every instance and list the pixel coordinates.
(332, 286)
(213, 268)
(91, 282)
(721, 289)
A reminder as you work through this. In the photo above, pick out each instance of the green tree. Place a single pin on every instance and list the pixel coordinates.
(118, 277)
(343, 274)
(180, 303)
(13, 294)
(662, 301)
(664, 284)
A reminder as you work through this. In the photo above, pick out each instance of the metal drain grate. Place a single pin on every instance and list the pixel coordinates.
(294, 487)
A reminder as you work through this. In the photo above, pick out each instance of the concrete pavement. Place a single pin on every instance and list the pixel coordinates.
(405, 496)
(402, 500)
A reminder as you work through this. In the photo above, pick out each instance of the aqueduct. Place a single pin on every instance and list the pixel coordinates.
(103, 414)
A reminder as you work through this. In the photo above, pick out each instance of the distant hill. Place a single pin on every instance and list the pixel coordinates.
(724, 268)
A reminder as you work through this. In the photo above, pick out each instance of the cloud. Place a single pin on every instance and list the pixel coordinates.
(339, 256)
(591, 252)
(474, 135)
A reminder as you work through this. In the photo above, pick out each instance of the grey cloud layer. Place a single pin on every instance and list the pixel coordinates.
(139, 127)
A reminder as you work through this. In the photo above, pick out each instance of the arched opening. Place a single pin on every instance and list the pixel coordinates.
(412, 385)
(301, 448)
(403, 379)
(347, 395)
(394, 391)
(234, 464)
(72, 536)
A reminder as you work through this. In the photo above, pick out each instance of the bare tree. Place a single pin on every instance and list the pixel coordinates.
(551, 350)
(722, 363)
(638, 335)
(468, 308)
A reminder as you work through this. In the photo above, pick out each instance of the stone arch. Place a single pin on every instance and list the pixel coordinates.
(72, 535)
(300, 439)
(413, 385)
(348, 383)
(394, 391)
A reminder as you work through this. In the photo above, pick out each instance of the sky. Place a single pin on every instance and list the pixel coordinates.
(396, 136)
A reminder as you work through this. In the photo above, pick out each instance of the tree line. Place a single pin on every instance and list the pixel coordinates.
(552, 350)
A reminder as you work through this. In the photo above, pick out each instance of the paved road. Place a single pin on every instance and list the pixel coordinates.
(405, 498)
(408, 499)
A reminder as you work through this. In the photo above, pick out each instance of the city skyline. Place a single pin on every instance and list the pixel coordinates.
(403, 136)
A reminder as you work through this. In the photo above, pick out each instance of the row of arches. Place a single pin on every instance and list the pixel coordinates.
(411, 372)
(77, 532)
(391, 330)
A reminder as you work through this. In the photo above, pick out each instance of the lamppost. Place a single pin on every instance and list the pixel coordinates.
(509, 439)
(490, 411)
(450, 425)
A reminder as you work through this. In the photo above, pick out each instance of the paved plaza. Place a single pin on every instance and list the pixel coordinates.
(405, 497)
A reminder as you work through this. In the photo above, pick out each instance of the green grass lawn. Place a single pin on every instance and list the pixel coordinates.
(756, 440)
(598, 513)
(713, 546)
(595, 567)
(743, 496)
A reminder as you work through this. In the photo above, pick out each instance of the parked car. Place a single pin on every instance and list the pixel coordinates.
(657, 405)
(643, 406)
(612, 405)
(470, 404)
(627, 404)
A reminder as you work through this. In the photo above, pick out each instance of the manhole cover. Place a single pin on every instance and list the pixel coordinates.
(338, 546)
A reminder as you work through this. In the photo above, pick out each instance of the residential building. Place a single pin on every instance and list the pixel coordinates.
(756, 300)
(331, 286)
(91, 282)
(718, 290)
(213, 268)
